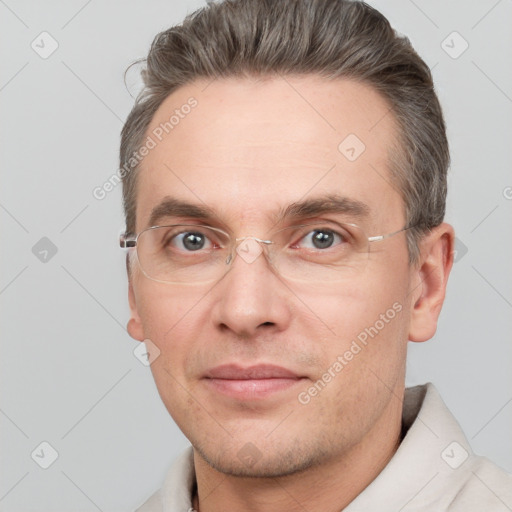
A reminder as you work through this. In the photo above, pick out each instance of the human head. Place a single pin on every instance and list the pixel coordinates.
(329, 38)
(252, 146)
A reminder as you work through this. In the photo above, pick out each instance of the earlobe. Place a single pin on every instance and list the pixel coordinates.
(134, 326)
(436, 260)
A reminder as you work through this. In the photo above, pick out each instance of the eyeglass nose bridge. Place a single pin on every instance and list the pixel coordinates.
(239, 241)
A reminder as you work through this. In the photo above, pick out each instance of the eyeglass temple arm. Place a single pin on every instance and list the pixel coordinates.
(125, 242)
(378, 238)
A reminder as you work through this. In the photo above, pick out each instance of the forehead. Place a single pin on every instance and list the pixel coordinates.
(247, 147)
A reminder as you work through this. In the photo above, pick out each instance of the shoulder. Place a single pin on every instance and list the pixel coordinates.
(463, 481)
(486, 486)
(434, 468)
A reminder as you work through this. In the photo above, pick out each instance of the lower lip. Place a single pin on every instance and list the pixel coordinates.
(251, 389)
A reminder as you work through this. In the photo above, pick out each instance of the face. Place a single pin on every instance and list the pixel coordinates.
(268, 376)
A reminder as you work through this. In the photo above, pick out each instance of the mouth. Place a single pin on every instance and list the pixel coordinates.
(250, 383)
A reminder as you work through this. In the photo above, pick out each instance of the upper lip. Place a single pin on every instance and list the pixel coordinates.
(256, 372)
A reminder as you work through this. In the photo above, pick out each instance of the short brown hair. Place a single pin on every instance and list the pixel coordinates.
(329, 38)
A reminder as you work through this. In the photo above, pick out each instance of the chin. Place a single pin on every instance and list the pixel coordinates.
(268, 462)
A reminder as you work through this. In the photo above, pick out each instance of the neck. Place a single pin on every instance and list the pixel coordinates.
(329, 487)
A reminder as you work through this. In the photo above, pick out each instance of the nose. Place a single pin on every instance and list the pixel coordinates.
(251, 298)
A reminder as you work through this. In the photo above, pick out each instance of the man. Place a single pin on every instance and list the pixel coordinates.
(284, 190)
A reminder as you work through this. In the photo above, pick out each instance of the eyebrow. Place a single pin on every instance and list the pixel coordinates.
(332, 203)
(171, 207)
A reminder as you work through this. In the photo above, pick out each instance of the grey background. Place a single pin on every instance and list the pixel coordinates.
(68, 373)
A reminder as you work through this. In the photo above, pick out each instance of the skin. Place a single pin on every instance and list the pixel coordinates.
(249, 148)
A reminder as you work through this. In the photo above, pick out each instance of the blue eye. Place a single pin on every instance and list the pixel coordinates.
(321, 239)
(191, 241)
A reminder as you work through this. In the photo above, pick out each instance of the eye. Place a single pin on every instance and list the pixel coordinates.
(190, 241)
(321, 238)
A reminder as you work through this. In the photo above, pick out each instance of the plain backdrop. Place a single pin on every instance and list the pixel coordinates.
(69, 376)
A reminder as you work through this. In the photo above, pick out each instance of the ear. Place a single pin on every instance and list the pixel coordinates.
(430, 280)
(134, 326)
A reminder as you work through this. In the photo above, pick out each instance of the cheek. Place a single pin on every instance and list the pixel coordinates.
(349, 308)
(366, 324)
(364, 355)
(173, 320)
(172, 317)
